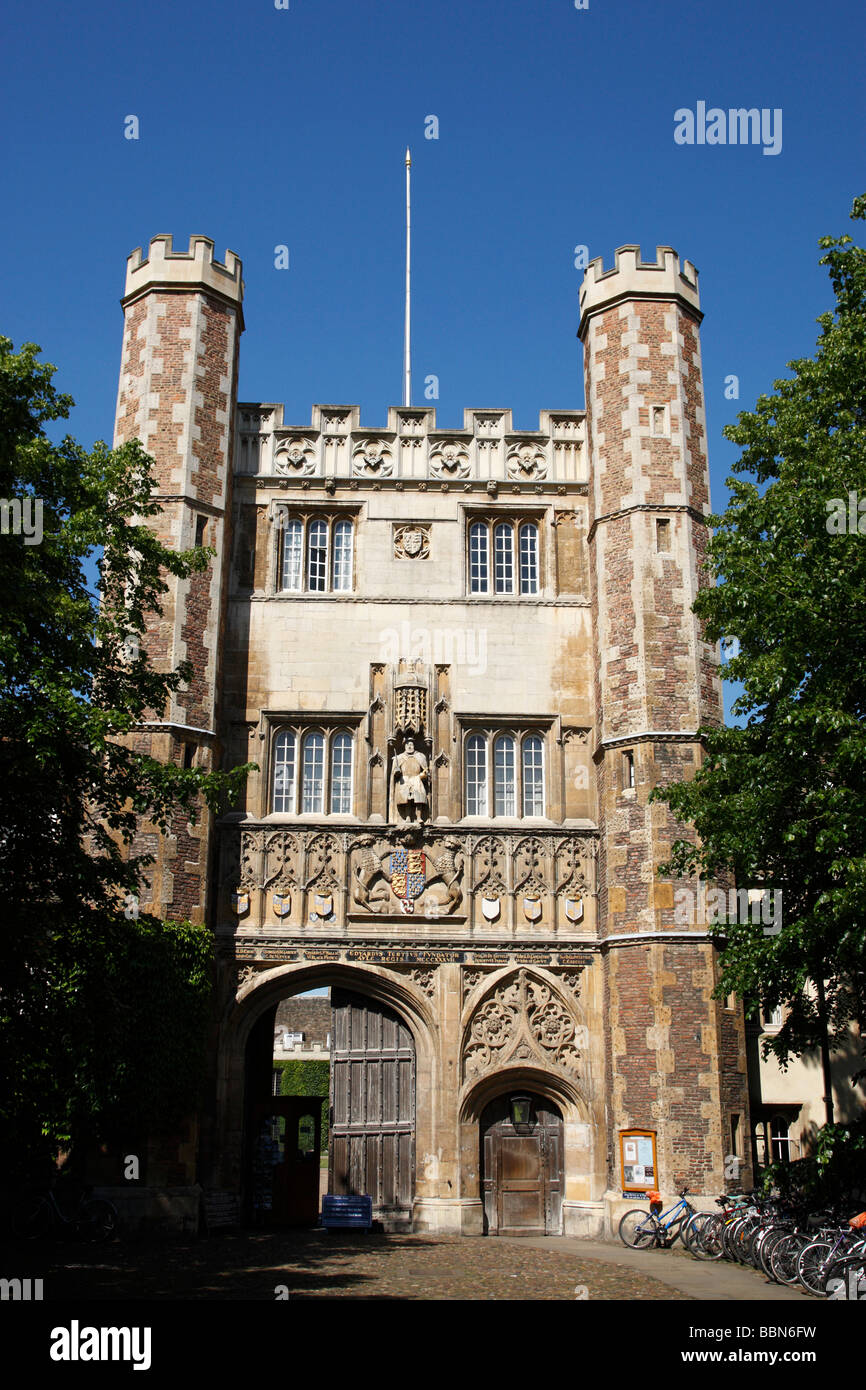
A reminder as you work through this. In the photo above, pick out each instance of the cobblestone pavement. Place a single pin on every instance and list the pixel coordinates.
(315, 1265)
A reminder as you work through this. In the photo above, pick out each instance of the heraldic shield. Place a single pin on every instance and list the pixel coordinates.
(408, 875)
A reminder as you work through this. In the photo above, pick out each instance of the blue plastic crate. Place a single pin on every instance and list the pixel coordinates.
(347, 1213)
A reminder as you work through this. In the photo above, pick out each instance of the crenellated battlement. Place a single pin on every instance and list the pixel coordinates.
(487, 448)
(195, 269)
(633, 278)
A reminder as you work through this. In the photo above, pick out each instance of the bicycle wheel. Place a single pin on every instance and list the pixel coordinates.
(637, 1229)
(693, 1231)
(711, 1246)
(812, 1265)
(784, 1258)
(31, 1218)
(768, 1245)
(846, 1279)
(97, 1219)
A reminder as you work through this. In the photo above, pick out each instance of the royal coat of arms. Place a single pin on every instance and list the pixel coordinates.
(408, 875)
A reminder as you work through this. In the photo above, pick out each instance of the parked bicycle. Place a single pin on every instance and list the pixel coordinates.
(640, 1228)
(37, 1213)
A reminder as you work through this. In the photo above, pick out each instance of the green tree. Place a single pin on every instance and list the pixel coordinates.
(90, 996)
(781, 801)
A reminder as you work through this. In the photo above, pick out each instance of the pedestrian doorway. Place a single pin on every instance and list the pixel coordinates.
(521, 1166)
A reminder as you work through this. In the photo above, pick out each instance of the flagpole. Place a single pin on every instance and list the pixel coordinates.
(407, 357)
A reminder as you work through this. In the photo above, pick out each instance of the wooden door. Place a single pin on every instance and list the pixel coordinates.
(522, 1170)
(372, 1139)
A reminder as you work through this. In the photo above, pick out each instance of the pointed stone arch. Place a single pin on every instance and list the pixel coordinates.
(263, 989)
(522, 1017)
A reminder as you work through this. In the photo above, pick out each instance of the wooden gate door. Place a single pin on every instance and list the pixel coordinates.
(522, 1170)
(372, 1138)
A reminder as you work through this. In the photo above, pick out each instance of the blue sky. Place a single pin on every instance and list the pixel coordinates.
(261, 127)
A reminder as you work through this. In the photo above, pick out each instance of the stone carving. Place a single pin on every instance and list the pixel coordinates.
(372, 459)
(471, 978)
(323, 857)
(409, 778)
(529, 867)
(281, 860)
(571, 978)
(295, 458)
(245, 974)
(489, 867)
(250, 849)
(392, 877)
(522, 1020)
(449, 458)
(369, 878)
(412, 543)
(447, 866)
(526, 462)
(425, 980)
(569, 875)
(410, 707)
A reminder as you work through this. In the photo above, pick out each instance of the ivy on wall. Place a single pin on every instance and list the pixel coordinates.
(307, 1078)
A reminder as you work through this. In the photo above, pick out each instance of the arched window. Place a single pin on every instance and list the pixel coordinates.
(284, 772)
(341, 774)
(503, 557)
(313, 774)
(341, 577)
(317, 556)
(476, 775)
(504, 777)
(533, 776)
(479, 565)
(529, 558)
(293, 552)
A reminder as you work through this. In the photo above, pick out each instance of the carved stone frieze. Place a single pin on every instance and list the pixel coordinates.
(295, 458)
(523, 1019)
(449, 458)
(471, 977)
(530, 867)
(425, 980)
(526, 462)
(442, 868)
(489, 866)
(324, 867)
(372, 458)
(282, 867)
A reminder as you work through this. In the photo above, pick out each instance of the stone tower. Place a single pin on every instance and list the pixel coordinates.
(675, 1058)
(178, 392)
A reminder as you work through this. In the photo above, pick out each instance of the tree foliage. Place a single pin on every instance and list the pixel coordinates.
(96, 1008)
(781, 801)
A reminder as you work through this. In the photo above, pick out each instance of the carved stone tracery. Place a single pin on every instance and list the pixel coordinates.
(523, 1019)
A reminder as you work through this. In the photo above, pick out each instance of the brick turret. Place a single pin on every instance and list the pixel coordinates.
(178, 392)
(656, 683)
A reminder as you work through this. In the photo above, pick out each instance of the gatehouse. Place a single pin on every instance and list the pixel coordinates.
(461, 657)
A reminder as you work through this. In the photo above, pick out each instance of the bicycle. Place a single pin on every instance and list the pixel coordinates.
(92, 1219)
(815, 1259)
(640, 1229)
